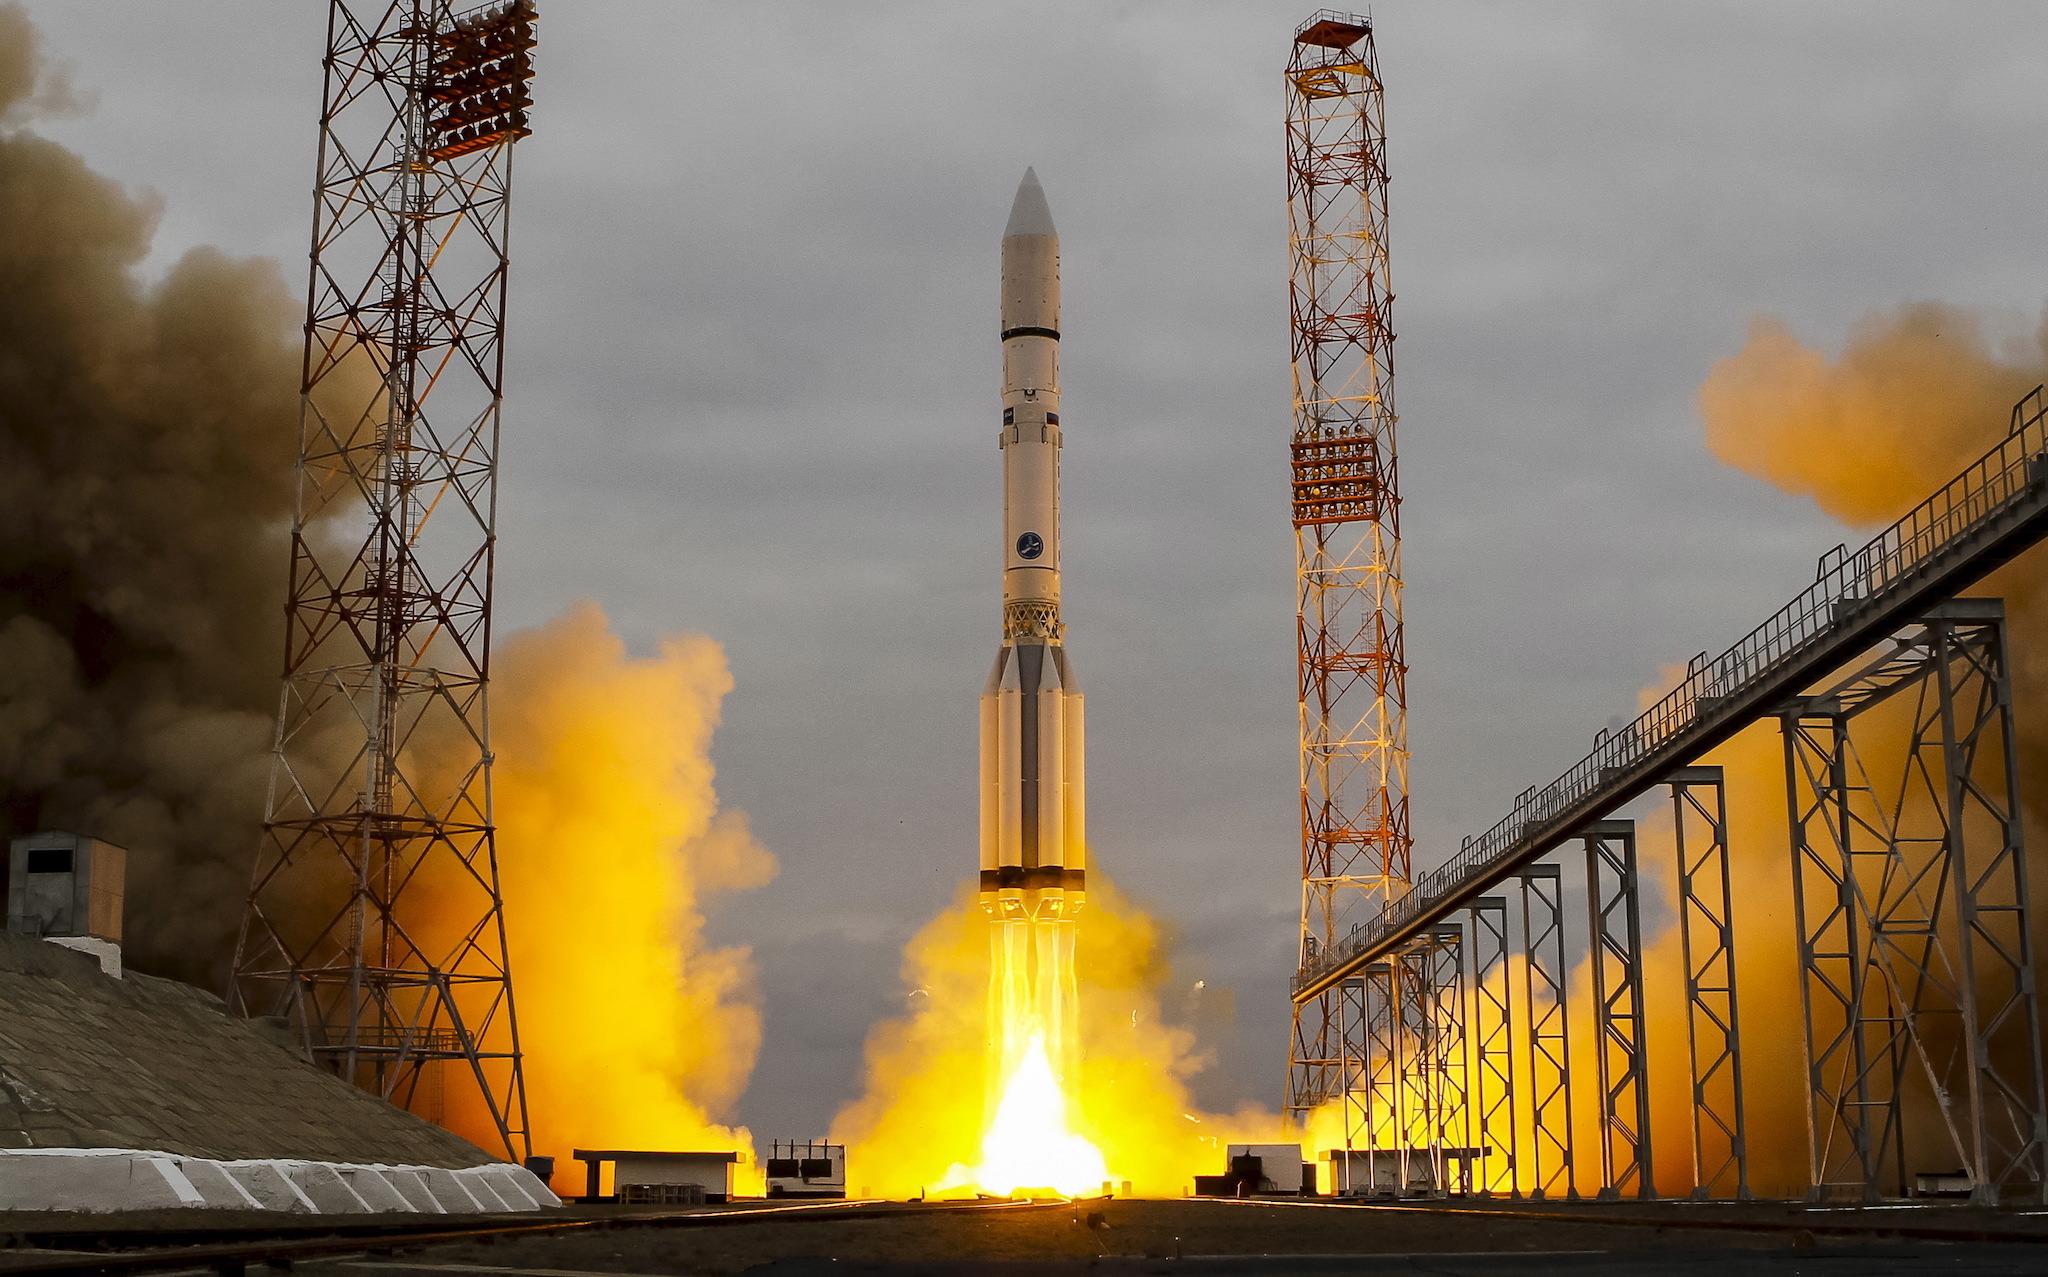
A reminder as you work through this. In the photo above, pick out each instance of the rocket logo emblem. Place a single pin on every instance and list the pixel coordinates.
(1030, 545)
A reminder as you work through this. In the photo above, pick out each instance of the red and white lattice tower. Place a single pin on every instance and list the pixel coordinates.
(1354, 749)
(375, 924)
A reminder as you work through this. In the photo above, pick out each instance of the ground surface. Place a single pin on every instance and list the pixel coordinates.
(1197, 1237)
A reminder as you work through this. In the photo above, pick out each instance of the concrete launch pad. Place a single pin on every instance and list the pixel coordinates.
(1175, 1236)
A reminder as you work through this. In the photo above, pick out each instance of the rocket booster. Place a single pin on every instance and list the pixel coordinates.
(1033, 836)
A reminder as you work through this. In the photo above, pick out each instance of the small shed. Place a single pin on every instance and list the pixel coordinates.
(62, 885)
(1429, 1171)
(659, 1177)
(1261, 1170)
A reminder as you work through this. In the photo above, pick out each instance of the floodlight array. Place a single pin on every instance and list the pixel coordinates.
(481, 78)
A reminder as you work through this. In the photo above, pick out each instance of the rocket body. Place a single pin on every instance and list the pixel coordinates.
(1033, 823)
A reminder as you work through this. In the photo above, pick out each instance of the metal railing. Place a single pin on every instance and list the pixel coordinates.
(1957, 527)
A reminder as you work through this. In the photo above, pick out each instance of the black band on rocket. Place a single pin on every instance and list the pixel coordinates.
(1038, 878)
(1031, 331)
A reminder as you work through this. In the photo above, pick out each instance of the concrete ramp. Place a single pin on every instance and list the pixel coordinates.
(130, 1092)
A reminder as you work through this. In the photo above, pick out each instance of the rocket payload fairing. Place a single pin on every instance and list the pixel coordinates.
(1033, 834)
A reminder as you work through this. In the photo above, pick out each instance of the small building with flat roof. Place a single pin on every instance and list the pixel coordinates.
(658, 1177)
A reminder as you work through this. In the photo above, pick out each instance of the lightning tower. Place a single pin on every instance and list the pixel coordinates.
(374, 923)
(1354, 749)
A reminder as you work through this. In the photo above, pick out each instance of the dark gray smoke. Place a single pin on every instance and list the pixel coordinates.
(146, 447)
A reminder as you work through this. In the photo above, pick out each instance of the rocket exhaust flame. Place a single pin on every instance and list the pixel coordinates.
(937, 1075)
(1033, 993)
(1029, 1144)
(1032, 1058)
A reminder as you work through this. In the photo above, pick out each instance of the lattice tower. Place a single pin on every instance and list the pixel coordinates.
(1354, 752)
(375, 923)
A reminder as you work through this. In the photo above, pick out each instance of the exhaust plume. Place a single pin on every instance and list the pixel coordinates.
(145, 484)
(1916, 394)
(637, 1030)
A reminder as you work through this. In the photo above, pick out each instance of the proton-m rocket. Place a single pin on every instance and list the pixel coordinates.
(1033, 827)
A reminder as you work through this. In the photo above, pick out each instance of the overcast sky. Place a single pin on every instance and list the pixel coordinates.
(754, 389)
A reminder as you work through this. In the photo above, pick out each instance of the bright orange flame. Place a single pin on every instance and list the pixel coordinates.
(1029, 1145)
(1032, 1050)
(1120, 1065)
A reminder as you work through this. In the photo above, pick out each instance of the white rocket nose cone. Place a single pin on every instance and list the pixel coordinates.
(1029, 214)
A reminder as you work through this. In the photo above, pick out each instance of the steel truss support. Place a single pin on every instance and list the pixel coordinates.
(1615, 911)
(1407, 1104)
(1450, 1134)
(1909, 886)
(1490, 1033)
(1372, 1080)
(1324, 1055)
(1416, 1079)
(1421, 1097)
(1347, 1009)
(1547, 1015)
(1852, 1033)
(1383, 1089)
(1720, 1146)
(1372, 1100)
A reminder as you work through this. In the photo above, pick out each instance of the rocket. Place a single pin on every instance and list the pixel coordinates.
(1033, 836)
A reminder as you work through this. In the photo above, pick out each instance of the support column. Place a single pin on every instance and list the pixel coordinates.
(1451, 1130)
(1544, 976)
(1917, 976)
(1377, 1093)
(1421, 1163)
(2007, 1137)
(1852, 1073)
(1720, 1147)
(1614, 910)
(1350, 1012)
(1491, 1097)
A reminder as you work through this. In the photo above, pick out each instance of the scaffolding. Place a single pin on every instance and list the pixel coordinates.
(374, 922)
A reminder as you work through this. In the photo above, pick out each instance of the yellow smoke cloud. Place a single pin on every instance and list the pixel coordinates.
(1917, 393)
(638, 1032)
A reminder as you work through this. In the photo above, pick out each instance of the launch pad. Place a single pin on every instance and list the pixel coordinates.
(1087, 1236)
